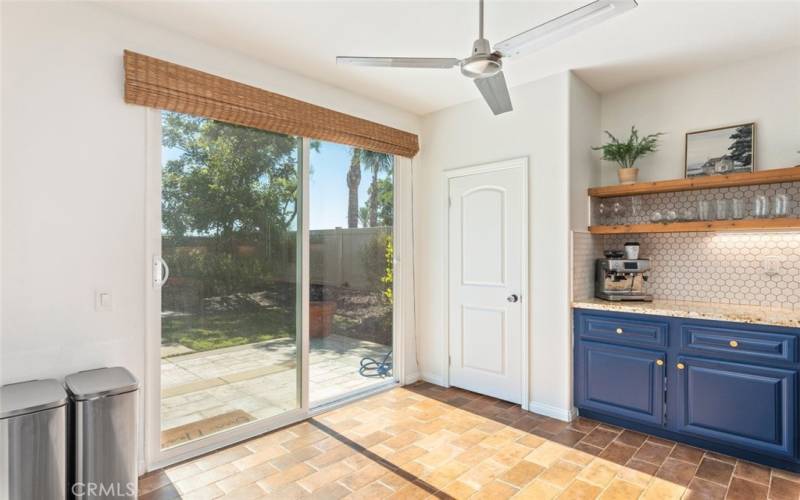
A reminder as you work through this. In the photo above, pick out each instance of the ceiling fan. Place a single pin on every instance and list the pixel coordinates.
(485, 65)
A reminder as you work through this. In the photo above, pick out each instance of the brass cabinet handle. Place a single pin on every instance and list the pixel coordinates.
(733, 343)
(660, 362)
(680, 366)
(619, 331)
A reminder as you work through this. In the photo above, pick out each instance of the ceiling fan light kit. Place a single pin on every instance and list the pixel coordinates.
(485, 65)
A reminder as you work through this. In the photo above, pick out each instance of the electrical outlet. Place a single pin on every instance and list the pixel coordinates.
(771, 265)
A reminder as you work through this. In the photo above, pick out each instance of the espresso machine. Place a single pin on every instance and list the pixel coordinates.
(618, 278)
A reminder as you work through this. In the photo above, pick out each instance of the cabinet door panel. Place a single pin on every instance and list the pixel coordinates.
(621, 381)
(748, 406)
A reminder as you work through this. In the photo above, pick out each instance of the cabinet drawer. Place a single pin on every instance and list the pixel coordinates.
(743, 343)
(621, 381)
(747, 406)
(624, 329)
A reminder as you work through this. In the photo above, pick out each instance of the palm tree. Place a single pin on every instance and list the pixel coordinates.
(375, 163)
(353, 180)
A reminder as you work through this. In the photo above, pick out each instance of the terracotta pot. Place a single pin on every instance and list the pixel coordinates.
(320, 318)
(628, 175)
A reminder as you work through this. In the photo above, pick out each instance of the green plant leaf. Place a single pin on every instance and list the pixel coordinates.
(626, 153)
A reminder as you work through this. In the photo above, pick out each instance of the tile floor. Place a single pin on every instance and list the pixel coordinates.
(424, 441)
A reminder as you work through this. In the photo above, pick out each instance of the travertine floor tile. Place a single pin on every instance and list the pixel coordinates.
(621, 490)
(580, 490)
(429, 442)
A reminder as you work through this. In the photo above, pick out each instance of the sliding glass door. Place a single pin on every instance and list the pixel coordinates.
(230, 306)
(351, 220)
(272, 277)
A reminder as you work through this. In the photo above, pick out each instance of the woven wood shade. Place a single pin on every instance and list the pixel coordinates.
(159, 84)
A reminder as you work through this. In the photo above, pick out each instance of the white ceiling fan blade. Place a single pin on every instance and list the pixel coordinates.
(495, 92)
(400, 62)
(563, 26)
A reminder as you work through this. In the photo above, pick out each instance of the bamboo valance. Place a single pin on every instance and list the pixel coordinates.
(164, 85)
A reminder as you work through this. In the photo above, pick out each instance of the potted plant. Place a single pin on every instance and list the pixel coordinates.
(626, 153)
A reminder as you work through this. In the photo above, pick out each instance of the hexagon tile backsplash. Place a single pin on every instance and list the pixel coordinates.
(724, 268)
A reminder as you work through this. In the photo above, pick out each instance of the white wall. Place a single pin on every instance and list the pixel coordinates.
(468, 134)
(765, 90)
(73, 185)
(584, 164)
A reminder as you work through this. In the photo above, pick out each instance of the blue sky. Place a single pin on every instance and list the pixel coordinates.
(328, 184)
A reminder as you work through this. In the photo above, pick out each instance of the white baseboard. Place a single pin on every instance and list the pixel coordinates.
(565, 415)
(433, 379)
(411, 377)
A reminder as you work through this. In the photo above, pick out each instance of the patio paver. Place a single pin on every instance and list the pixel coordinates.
(259, 379)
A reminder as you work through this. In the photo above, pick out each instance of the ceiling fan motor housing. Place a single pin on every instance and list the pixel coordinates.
(482, 63)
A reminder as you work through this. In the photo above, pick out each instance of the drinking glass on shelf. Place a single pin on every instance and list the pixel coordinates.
(737, 208)
(722, 209)
(760, 206)
(780, 205)
(704, 210)
(602, 211)
(636, 206)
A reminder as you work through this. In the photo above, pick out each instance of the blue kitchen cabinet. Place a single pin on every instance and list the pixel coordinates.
(729, 387)
(748, 406)
(621, 380)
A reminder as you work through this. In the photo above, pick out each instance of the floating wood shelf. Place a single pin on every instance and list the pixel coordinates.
(701, 226)
(791, 174)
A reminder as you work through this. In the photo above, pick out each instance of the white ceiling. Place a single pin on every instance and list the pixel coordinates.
(659, 38)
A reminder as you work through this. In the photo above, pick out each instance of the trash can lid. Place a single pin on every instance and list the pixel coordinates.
(30, 397)
(100, 382)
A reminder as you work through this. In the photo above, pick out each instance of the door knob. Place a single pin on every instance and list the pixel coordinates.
(513, 298)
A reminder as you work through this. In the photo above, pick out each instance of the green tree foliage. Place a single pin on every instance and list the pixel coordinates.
(228, 180)
(353, 181)
(384, 209)
(741, 150)
(378, 260)
(229, 204)
(375, 164)
(388, 274)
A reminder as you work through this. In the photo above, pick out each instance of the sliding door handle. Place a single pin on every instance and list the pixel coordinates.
(160, 271)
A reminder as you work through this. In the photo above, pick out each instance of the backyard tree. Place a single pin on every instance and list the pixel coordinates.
(226, 180)
(353, 180)
(384, 210)
(375, 164)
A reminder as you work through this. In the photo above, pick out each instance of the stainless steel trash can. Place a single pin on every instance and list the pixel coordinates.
(33, 441)
(103, 411)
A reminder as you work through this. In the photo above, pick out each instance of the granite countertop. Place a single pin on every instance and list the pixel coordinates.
(701, 310)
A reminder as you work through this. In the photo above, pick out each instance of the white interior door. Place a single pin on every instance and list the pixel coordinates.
(486, 269)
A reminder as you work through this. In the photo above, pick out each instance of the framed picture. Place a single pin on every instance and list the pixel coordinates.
(724, 150)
